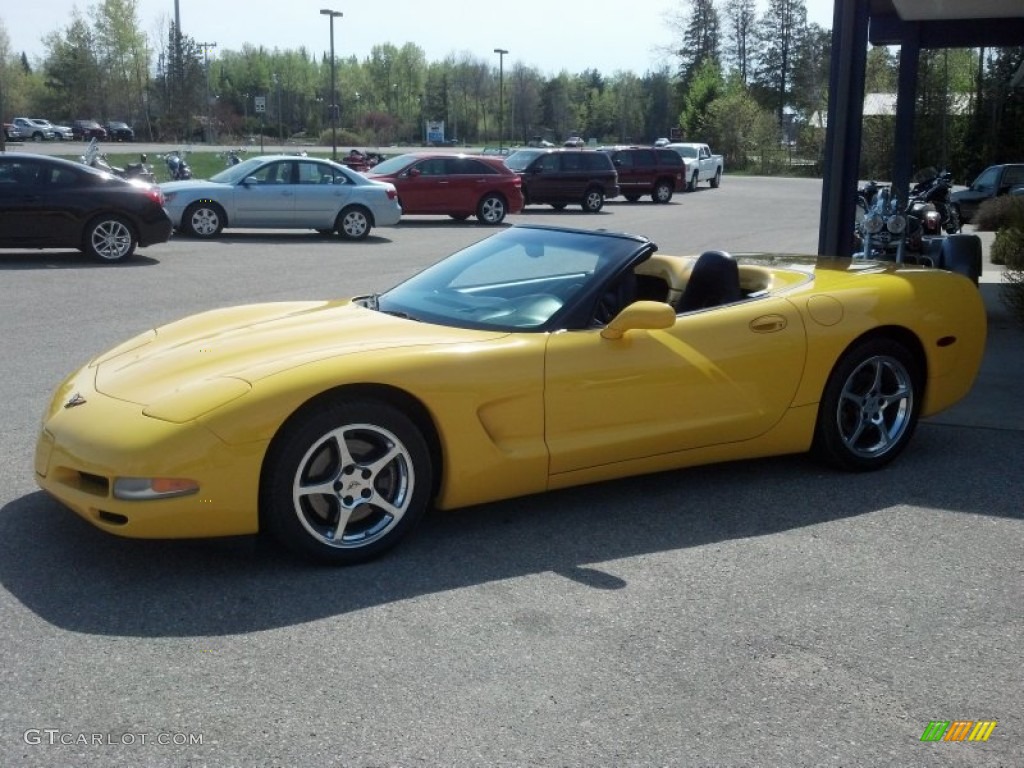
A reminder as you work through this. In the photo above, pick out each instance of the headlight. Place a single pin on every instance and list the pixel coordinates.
(897, 224)
(147, 488)
(873, 223)
(193, 400)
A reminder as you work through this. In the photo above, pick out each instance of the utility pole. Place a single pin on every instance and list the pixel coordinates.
(207, 47)
(501, 96)
(334, 93)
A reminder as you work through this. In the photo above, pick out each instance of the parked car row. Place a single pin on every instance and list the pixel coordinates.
(108, 218)
(38, 129)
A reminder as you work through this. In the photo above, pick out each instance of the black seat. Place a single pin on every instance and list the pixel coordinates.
(618, 295)
(714, 280)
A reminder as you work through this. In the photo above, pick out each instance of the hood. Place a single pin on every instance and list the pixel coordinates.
(247, 343)
(168, 187)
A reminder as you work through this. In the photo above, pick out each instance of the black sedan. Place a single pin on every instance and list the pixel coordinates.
(47, 202)
(118, 131)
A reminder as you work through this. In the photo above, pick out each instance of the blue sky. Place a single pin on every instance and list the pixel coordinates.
(537, 33)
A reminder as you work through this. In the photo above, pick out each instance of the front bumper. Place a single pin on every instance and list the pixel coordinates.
(82, 449)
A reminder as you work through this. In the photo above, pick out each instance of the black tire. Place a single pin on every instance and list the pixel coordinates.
(491, 209)
(870, 406)
(37, 136)
(109, 239)
(354, 223)
(692, 186)
(953, 222)
(662, 192)
(593, 200)
(716, 181)
(363, 462)
(203, 220)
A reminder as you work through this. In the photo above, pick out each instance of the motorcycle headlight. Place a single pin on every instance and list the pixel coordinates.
(873, 223)
(897, 224)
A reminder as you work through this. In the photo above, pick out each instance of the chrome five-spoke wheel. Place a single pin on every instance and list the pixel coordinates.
(353, 485)
(345, 481)
(870, 406)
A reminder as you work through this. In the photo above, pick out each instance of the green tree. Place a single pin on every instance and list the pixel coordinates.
(75, 79)
(122, 53)
(737, 126)
(881, 71)
(700, 32)
(740, 21)
(781, 31)
(706, 87)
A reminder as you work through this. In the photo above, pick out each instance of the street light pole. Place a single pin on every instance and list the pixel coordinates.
(208, 132)
(501, 96)
(334, 96)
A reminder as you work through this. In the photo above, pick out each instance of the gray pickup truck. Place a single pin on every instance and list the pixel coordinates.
(993, 181)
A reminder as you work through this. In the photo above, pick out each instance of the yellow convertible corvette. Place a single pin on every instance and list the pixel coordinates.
(537, 358)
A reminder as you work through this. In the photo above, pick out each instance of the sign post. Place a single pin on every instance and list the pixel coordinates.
(261, 108)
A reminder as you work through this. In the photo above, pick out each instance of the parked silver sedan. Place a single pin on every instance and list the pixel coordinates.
(282, 192)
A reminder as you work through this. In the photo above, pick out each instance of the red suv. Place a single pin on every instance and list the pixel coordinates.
(459, 186)
(648, 171)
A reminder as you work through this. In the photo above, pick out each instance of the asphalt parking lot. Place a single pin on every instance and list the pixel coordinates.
(768, 613)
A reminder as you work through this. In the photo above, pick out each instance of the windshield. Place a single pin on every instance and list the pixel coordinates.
(519, 279)
(521, 158)
(236, 173)
(390, 166)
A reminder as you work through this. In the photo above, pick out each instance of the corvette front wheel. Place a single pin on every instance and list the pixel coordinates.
(870, 406)
(345, 481)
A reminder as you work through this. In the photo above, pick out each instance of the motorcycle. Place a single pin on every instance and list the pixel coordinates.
(232, 156)
(883, 230)
(177, 165)
(888, 233)
(930, 202)
(96, 159)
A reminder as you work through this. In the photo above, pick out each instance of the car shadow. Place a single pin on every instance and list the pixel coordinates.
(617, 202)
(66, 259)
(425, 221)
(229, 238)
(574, 211)
(84, 580)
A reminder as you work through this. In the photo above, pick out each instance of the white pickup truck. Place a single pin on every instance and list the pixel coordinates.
(701, 165)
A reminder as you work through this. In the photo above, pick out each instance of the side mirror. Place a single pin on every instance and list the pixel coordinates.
(250, 181)
(414, 172)
(640, 315)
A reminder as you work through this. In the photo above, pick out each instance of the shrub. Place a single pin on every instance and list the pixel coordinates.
(1009, 245)
(999, 212)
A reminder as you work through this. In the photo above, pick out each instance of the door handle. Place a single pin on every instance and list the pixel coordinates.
(768, 324)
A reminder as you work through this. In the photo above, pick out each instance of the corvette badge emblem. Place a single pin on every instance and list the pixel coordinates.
(76, 399)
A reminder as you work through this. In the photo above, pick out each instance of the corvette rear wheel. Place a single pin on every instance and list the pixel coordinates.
(870, 406)
(345, 481)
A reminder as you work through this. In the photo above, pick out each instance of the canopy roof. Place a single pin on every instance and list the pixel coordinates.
(912, 25)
